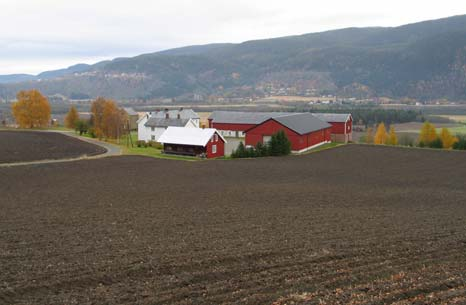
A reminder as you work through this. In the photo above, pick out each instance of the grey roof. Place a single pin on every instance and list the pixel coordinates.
(302, 123)
(237, 117)
(162, 122)
(130, 111)
(184, 114)
(333, 117)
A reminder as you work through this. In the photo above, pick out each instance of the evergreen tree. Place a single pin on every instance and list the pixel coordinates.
(437, 143)
(261, 150)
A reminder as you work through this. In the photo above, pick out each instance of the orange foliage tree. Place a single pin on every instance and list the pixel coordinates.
(71, 118)
(370, 135)
(31, 110)
(428, 134)
(381, 135)
(448, 140)
(107, 119)
(392, 137)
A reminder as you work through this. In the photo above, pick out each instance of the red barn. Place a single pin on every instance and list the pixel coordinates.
(342, 125)
(304, 130)
(235, 124)
(191, 141)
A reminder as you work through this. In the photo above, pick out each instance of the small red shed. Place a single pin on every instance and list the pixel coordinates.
(193, 142)
(304, 130)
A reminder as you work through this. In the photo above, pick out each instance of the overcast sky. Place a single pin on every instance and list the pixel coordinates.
(39, 35)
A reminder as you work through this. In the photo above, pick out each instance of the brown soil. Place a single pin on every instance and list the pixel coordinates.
(19, 146)
(351, 225)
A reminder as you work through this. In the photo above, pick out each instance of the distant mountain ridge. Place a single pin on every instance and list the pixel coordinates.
(425, 60)
(14, 78)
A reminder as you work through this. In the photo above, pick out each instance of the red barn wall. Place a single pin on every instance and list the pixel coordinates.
(298, 142)
(339, 127)
(220, 147)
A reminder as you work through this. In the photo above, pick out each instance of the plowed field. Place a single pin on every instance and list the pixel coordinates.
(351, 225)
(19, 146)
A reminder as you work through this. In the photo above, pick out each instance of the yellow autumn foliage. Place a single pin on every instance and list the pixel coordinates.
(381, 135)
(31, 110)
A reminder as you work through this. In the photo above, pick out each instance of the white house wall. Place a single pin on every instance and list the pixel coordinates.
(153, 134)
(143, 131)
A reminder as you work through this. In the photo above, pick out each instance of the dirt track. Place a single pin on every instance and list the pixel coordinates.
(368, 225)
(24, 146)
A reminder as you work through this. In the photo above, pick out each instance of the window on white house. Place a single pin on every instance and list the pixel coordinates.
(152, 129)
(152, 138)
(214, 149)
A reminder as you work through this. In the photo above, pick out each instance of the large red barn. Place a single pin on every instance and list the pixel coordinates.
(235, 124)
(304, 130)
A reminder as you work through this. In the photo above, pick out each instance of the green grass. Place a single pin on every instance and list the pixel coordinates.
(147, 151)
(154, 153)
(323, 147)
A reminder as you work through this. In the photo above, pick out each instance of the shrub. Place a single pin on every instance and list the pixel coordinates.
(279, 146)
(262, 150)
(437, 143)
(239, 152)
(81, 127)
(91, 132)
(141, 143)
(155, 144)
(460, 144)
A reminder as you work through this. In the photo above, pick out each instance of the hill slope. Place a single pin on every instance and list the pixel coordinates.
(424, 60)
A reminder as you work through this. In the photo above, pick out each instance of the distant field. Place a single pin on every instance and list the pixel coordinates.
(295, 99)
(415, 127)
(456, 118)
(350, 225)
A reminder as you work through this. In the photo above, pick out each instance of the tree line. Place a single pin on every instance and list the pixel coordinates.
(428, 137)
(108, 121)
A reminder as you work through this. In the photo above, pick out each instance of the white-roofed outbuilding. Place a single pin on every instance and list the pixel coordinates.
(193, 142)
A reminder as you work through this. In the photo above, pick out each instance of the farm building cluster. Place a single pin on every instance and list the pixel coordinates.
(180, 132)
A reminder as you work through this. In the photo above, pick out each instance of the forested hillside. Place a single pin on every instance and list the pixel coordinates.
(425, 60)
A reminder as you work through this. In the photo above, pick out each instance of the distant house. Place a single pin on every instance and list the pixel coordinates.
(235, 123)
(304, 130)
(133, 118)
(153, 124)
(193, 142)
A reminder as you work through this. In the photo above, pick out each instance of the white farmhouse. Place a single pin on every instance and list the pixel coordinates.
(153, 124)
